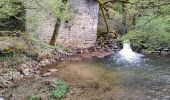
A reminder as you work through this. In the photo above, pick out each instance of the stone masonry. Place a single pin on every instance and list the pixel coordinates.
(39, 21)
(81, 30)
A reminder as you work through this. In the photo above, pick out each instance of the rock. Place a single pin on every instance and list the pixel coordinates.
(53, 70)
(98, 48)
(155, 99)
(7, 77)
(79, 51)
(26, 71)
(45, 62)
(47, 82)
(115, 47)
(166, 98)
(159, 49)
(5, 83)
(46, 74)
(91, 49)
(158, 52)
(37, 72)
(16, 76)
(166, 50)
(164, 53)
(1, 64)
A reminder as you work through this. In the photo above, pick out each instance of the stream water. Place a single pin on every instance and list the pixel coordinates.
(139, 75)
(124, 75)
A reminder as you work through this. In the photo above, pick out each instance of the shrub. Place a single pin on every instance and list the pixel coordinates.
(60, 89)
(35, 98)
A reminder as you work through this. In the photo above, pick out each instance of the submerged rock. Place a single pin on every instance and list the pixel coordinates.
(1, 64)
(166, 98)
(46, 74)
(5, 84)
(53, 70)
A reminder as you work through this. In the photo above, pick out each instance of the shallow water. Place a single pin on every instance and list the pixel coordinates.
(149, 78)
(105, 79)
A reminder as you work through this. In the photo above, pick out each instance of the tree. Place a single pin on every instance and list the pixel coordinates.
(11, 15)
(58, 8)
(134, 10)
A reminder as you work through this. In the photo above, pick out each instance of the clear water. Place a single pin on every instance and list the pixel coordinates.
(137, 66)
(135, 76)
(149, 75)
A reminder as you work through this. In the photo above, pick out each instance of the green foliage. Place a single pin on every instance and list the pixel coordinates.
(14, 51)
(10, 8)
(35, 98)
(56, 7)
(6, 54)
(148, 41)
(12, 15)
(61, 87)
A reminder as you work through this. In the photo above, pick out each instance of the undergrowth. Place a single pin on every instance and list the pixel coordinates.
(16, 50)
(35, 98)
(61, 87)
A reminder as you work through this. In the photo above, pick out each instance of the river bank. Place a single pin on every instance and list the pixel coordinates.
(86, 79)
(91, 80)
(31, 69)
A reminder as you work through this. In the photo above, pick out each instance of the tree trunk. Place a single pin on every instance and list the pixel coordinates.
(55, 33)
(124, 19)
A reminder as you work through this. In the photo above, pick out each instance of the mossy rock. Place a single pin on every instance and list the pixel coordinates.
(6, 53)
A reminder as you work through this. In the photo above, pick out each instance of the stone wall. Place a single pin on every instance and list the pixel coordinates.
(81, 30)
(39, 21)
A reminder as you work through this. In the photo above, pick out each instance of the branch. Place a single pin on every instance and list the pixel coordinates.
(113, 1)
(148, 21)
(101, 4)
(153, 18)
(41, 6)
(152, 6)
(104, 17)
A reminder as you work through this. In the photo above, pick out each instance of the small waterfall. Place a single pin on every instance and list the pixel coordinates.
(126, 55)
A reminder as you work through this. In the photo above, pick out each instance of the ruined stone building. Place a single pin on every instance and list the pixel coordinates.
(80, 31)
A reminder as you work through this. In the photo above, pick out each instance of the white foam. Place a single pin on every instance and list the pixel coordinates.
(127, 55)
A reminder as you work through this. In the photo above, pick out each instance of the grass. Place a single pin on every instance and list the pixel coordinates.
(16, 50)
